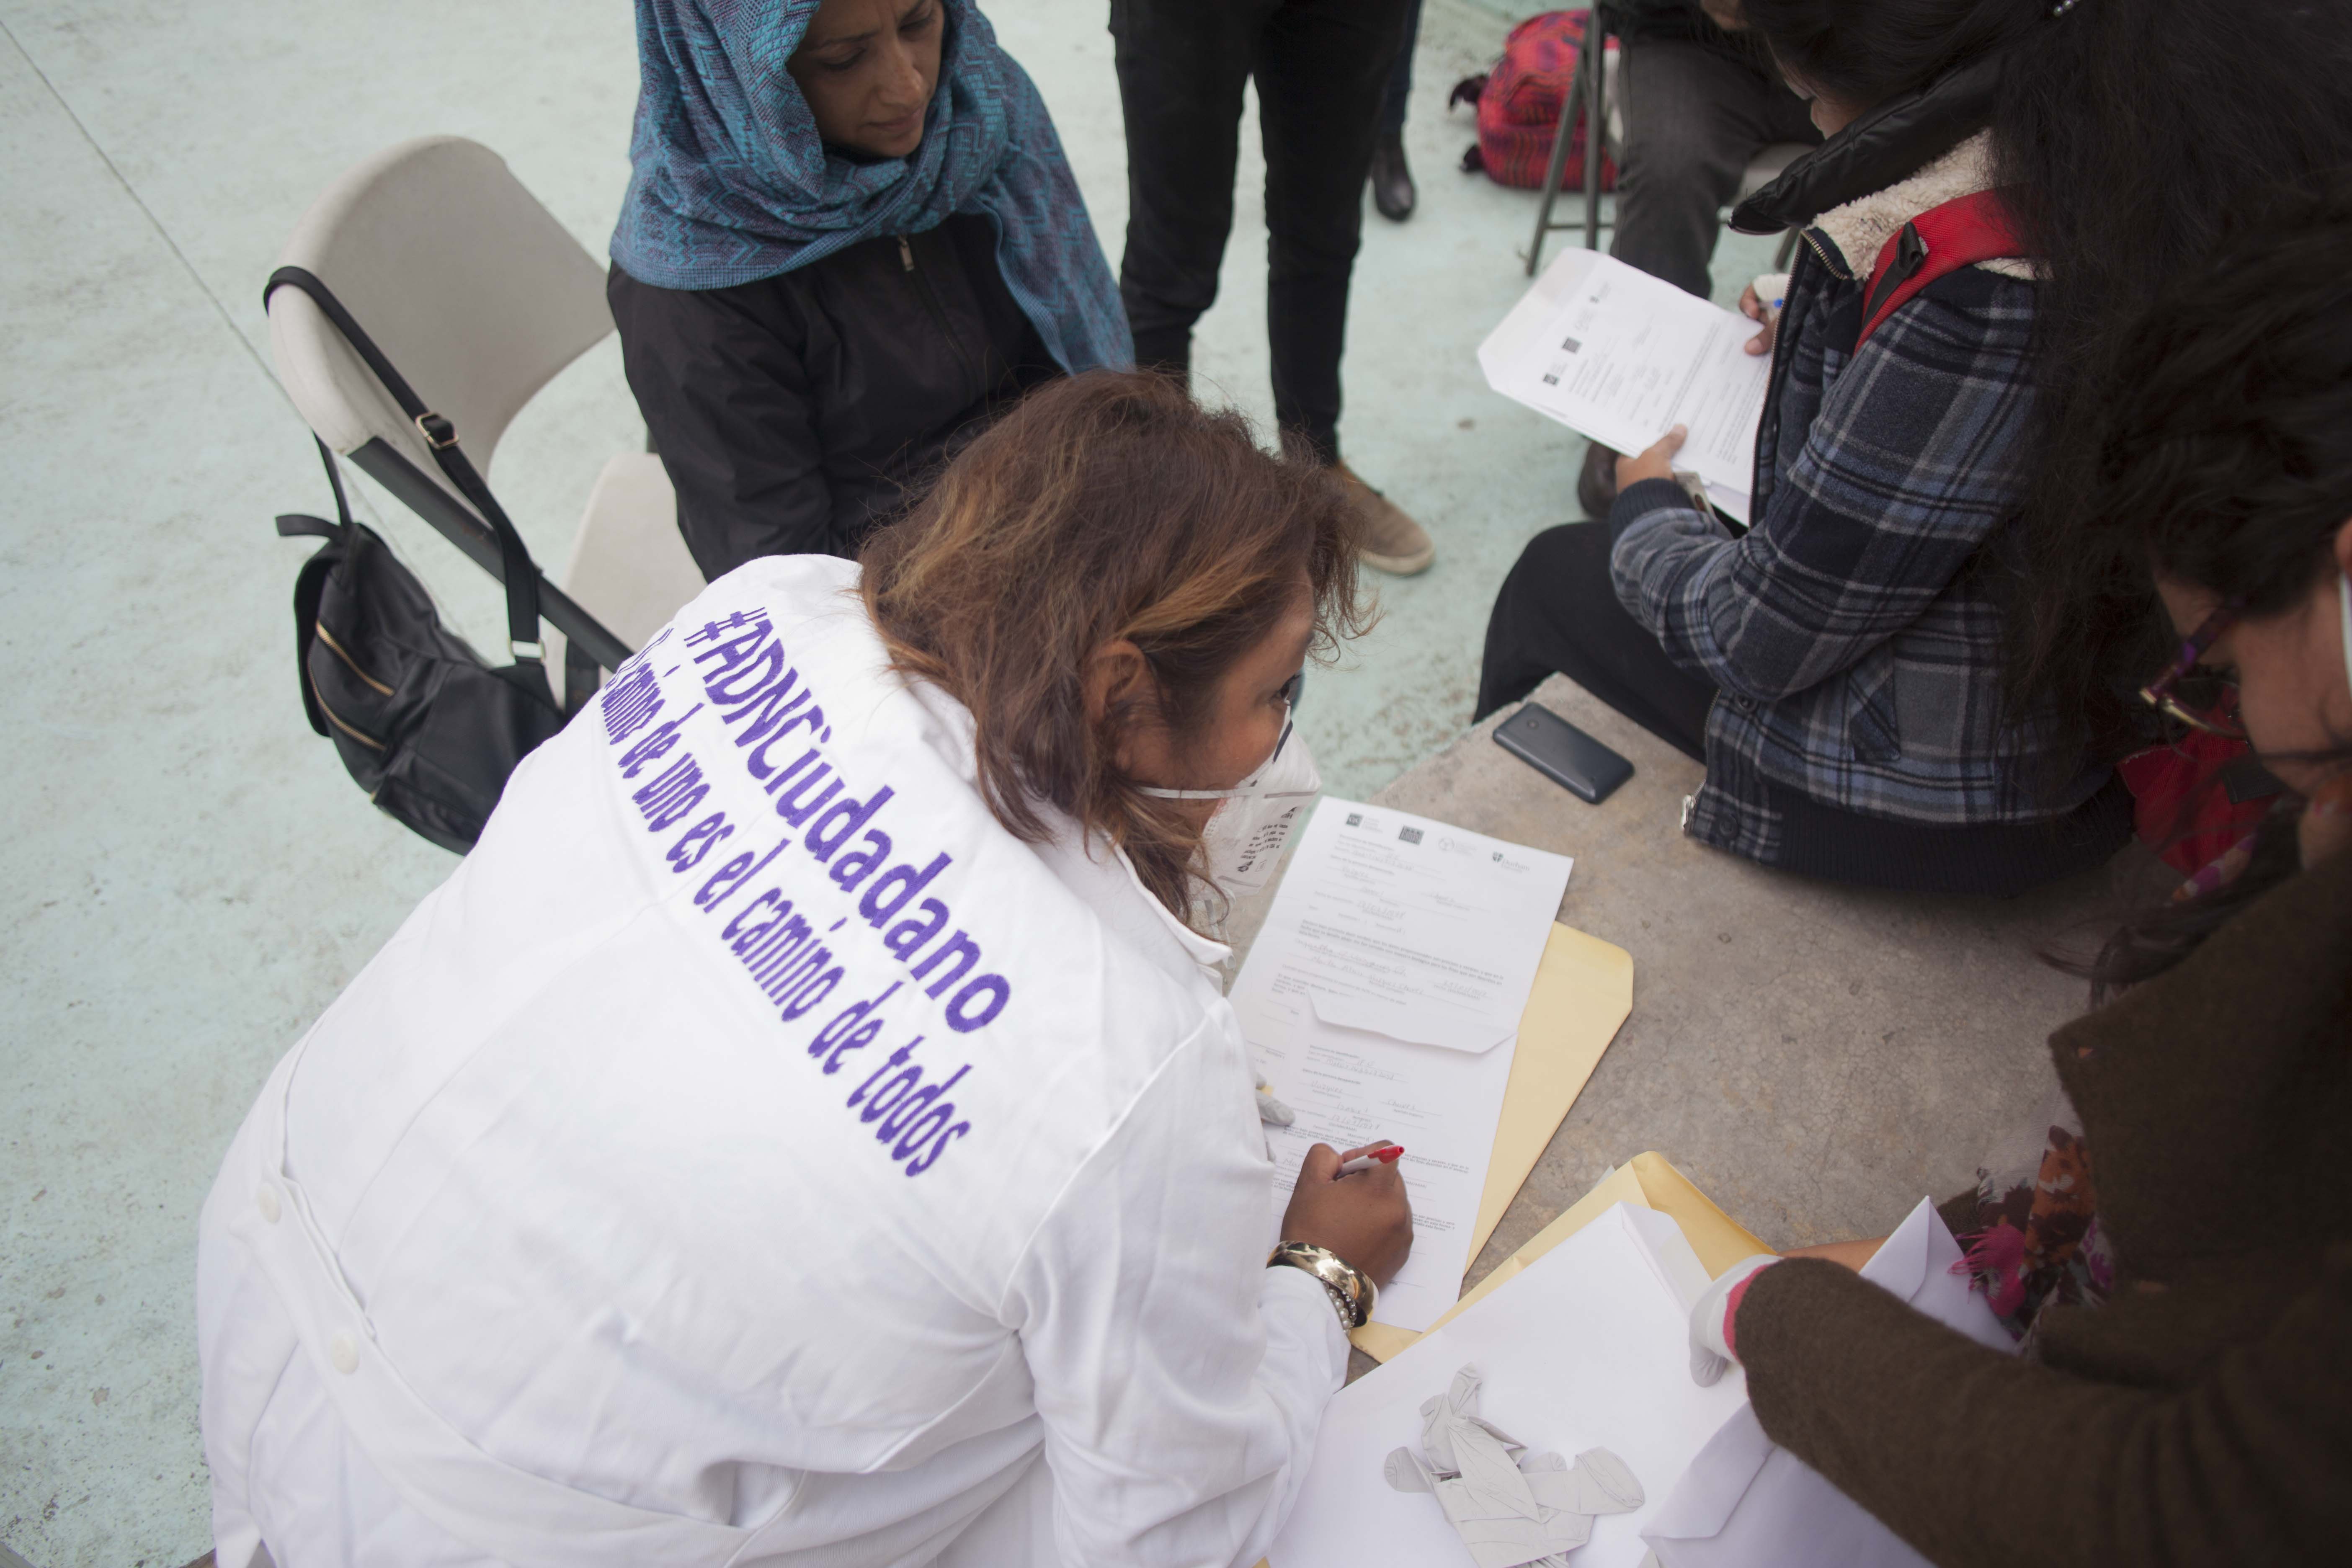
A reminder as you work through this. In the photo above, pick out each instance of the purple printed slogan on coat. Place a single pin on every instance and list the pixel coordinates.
(777, 725)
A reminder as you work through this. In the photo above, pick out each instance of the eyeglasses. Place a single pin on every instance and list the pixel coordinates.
(1290, 692)
(2200, 697)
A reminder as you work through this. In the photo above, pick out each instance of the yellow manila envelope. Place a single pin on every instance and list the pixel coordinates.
(1646, 1181)
(1582, 992)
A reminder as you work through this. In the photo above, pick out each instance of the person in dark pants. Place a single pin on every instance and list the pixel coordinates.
(1393, 192)
(1321, 69)
(1558, 612)
(850, 240)
(1837, 665)
(1701, 99)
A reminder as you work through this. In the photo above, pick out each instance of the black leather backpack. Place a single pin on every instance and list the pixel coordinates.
(422, 722)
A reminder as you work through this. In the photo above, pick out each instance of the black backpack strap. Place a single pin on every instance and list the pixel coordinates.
(297, 525)
(441, 437)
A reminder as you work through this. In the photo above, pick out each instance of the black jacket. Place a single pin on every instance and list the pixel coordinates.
(797, 413)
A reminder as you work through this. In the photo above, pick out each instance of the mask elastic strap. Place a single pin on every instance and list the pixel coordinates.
(2344, 604)
(1239, 792)
(1243, 793)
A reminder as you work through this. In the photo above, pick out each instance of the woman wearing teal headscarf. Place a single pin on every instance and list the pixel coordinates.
(850, 239)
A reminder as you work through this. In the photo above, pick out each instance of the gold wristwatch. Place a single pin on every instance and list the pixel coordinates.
(1351, 1292)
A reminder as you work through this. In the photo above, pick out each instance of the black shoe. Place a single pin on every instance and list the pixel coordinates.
(1596, 487)
(1392, 190)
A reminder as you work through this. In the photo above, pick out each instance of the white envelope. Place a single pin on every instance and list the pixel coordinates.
(1746, 1502)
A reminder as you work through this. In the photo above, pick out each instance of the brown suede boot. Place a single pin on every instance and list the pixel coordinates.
(1392, 540)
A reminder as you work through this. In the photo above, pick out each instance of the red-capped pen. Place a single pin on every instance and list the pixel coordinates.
(1376, 1158)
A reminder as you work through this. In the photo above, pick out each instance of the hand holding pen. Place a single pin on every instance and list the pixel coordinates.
(1354, 1204)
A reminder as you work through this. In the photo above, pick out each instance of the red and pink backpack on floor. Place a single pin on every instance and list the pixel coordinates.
(1520, 103)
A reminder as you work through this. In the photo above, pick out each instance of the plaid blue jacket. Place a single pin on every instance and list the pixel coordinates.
(1857, 658)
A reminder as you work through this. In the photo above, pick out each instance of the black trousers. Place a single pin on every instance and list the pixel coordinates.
(1558, 612)
(1322, 71)
(1399, 88)
(1695, 117)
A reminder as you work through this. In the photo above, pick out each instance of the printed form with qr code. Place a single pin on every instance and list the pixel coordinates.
(1621, 358)
(1382, 1000)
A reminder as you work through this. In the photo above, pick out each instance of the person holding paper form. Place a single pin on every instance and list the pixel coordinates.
(1701, 99)
(1838, 664)
(808, 1129)
(2193, 1402)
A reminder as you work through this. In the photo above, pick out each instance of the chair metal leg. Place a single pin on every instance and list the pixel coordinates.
(1586, 90)
(1781, 258)
(1594, 58)
(1552, 172)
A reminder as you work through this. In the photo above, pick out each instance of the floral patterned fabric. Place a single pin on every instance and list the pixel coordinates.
(2036, 1243)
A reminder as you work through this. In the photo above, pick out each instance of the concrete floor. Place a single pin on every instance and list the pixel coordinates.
(191, 877)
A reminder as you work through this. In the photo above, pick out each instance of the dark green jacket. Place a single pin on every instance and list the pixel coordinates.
(2204, 1414)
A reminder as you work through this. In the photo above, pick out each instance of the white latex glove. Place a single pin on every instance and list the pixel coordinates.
(1710, 1352)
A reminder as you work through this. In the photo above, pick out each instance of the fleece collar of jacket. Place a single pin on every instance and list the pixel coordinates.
(1861, 228)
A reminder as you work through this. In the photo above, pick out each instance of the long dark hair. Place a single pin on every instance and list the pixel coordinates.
(2223, 459)
(1863, 52)
(2123, 136)
(2121, 130)
(1103, 506)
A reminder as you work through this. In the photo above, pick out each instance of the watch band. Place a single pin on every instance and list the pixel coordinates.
(1351, 1290)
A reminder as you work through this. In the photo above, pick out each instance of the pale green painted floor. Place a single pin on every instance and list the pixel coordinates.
(188, 875)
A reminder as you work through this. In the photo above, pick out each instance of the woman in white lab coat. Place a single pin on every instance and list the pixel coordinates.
(808, 1128)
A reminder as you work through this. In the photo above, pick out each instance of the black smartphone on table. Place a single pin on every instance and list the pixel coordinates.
(1563, 753)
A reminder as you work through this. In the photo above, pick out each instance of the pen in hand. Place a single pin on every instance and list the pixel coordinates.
(1376, 1158)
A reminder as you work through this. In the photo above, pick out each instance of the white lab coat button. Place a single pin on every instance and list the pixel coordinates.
(266, 1200)
(344, 1351)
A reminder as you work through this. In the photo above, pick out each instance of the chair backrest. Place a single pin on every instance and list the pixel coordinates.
(471, 288)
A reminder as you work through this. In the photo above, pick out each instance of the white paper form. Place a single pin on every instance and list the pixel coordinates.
(1588, 1349)
(1620, 357)
(1381, 999)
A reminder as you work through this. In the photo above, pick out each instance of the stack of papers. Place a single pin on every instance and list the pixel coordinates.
(1382, 1000)
(1621, 358)
(1588, 1348)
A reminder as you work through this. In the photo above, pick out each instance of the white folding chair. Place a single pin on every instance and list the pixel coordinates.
(478, 297)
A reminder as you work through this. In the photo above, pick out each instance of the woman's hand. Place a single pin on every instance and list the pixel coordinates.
(1713, 1349)
(1752, 307)
(1657, 463)
(1365, 1218)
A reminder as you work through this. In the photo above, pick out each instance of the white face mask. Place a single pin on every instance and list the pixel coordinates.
(1244, 839)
